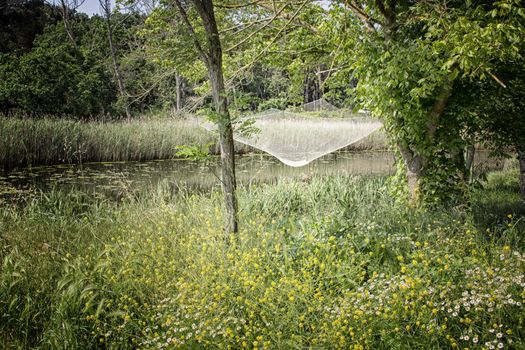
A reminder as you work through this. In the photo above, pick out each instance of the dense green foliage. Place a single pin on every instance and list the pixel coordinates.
(328, 264)
(22, 21)
(442, 76)
(49, 70)
(71, 73)
(412, 61)
(496, 109)
(56, 77)
(331, 262)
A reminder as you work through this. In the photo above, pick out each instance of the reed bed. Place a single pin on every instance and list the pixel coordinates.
(27, 141)
(53, 141)
(332, 263)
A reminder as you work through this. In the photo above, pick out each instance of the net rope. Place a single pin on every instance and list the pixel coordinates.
(296, 140)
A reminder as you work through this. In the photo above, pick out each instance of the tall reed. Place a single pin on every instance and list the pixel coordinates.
(51, 140)
(27, 141)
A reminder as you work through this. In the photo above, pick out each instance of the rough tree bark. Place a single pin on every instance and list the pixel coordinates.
(212, 57)
(225, 141)
(415, 167)
(415, 163)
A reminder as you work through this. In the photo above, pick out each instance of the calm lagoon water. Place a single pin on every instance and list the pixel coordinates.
(117, 178)
(127, 176)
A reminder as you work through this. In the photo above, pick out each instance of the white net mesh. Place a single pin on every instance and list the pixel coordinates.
(318, 106)
(296, 140)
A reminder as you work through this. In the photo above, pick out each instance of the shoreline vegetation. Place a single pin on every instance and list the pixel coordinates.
(49, 141)
(332, 263)
(125, 224)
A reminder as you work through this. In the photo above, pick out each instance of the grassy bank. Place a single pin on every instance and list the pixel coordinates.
(55, 141)
(333, 263)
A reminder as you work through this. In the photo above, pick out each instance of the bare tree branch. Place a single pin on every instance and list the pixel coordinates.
(361, 14)
(203, 55)
(274, 39)
(257, 31)
(106, 6)
(66, 7)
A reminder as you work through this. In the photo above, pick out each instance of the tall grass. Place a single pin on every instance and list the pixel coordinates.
(52, 141)
(25, 141)
(332, 263)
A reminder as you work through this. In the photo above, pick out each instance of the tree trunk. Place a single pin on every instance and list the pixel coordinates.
(113, 52)
(118, 76)
(178, 87)
(306, 88)
(414, 165)
(320, 81)
(521, 159)
(214, 65)
(227, 150)
(470, 151)
(65, 18)
(438, 108)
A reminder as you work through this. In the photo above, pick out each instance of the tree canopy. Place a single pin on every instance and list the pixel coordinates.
(441, 75)
(411, 58)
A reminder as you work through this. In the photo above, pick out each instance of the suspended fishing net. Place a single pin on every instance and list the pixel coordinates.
(296, 140)
(318, 106)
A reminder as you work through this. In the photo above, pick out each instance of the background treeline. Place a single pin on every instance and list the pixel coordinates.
(442, 79)
(47, 67)
(57, 61)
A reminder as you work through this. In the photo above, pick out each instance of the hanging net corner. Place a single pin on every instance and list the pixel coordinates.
(297, 139)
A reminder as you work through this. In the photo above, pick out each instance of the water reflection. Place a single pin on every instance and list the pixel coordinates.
(118, 178)
(126, 176)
